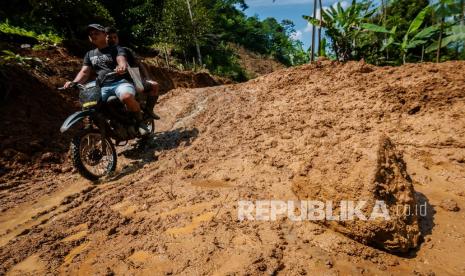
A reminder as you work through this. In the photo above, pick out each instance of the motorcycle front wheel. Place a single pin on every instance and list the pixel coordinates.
(92, 157)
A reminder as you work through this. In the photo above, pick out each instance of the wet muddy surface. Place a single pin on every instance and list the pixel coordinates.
(172, 206)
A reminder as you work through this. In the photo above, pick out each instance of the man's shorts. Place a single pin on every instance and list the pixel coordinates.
(117, 89)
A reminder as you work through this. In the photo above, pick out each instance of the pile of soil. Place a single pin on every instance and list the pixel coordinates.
(32, 112)
(254, 64)
(170, 79)
(326, 131)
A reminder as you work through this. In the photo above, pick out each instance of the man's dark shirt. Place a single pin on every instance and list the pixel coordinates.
(104, 61)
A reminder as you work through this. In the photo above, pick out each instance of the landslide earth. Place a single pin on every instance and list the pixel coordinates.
(326, 131)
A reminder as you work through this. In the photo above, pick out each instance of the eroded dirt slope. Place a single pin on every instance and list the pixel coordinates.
(254, 64)
(172, 206)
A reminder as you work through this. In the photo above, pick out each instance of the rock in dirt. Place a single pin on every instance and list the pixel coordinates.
(449, 205)
(49, 157)
(9, 153)
(21, 158)
(189, 166)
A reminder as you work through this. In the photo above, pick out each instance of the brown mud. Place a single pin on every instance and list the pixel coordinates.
(326, 131)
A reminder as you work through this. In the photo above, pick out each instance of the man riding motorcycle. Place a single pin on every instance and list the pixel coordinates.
(151, 87)
(104, 59)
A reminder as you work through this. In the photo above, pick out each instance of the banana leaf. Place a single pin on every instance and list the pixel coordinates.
(416, 23)
(426, 32)
(375, 28)
(456, 34)
(415, 43)
(313, 21)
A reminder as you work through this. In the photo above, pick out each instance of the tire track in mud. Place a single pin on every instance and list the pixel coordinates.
(60, 204)
(20, 220)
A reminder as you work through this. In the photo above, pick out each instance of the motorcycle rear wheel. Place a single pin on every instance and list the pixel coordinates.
(90, 156)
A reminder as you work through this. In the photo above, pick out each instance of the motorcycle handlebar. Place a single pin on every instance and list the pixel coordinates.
(72, 85)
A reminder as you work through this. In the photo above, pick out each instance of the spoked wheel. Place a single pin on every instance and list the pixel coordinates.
(92, 157)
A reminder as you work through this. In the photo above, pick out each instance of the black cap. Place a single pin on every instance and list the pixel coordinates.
(97, 27)
(111, 30)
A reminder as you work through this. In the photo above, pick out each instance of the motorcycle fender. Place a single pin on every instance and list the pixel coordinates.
(74, 118)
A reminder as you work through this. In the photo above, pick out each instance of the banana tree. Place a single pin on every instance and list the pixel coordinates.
(342, 25)
(443, 9)
(411, 39)
(455, 33)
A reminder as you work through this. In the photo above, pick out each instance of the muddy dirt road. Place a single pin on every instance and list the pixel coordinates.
(171, 208)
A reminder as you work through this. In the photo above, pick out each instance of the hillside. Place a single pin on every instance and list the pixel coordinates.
(254, 64)
(326, 131)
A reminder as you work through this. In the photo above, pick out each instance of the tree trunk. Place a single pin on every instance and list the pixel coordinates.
(185, 58)
(319, 28)
(167, 58)
(462, 14)
(383, 11)
(438, 53)
(197, 47)
(312, 57)
(422, 53)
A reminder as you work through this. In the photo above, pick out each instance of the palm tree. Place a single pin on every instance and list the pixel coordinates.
(443, 9)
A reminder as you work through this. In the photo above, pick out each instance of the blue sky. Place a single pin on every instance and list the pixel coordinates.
(288, 9)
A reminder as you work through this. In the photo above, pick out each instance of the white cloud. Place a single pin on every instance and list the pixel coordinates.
(261, 3)
(308, 29)
(297, 35)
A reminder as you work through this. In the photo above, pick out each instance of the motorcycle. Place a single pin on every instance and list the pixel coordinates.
(106, 125)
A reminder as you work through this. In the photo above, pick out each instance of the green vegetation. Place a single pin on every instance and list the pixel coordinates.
(193, 32)
(199, 33)
(411, 39)
(341, 26)
(396, 31)
(45, 38)
(10, 57)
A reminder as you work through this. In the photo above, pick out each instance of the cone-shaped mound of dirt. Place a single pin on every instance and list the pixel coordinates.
(377, 179)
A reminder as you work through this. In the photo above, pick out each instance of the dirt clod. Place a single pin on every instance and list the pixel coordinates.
(449, 205)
